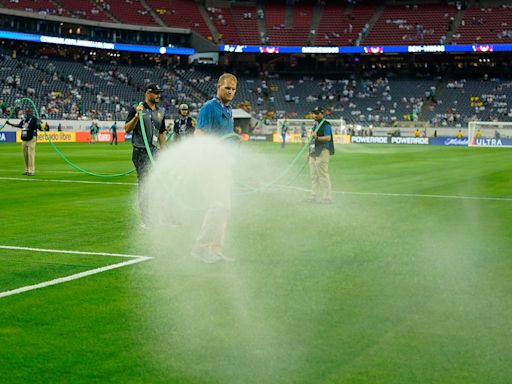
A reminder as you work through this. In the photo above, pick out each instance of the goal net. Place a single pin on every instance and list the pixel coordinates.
(299, 130)
(489, 134)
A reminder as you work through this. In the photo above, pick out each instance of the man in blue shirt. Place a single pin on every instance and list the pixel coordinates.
(216, 115)
(216, 118)
(320, 149)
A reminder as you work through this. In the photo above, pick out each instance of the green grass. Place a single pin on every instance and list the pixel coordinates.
(374, 289)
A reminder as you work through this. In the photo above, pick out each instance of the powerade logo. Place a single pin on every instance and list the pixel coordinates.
(369, 139)
(409, 140)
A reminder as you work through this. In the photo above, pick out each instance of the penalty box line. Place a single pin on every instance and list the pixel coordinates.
(134, 259)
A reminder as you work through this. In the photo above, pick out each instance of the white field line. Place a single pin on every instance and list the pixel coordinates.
(134, 259)
(408, 195)
(67, 181)
(455, 197)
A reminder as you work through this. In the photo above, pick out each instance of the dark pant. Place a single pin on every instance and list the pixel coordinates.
(141, 162)
(114, 137)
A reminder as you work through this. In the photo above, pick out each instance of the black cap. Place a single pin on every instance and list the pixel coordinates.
(153, 87)
(318, 110)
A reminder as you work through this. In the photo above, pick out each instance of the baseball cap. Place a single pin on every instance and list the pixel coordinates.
(318, 110)
(183, 106)
(153, 88)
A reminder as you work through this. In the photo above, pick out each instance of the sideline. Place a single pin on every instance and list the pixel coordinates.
(66, 181)
(134, 259)
(281, 187)
(408, 195)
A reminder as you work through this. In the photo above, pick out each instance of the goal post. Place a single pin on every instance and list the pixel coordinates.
(489, 134)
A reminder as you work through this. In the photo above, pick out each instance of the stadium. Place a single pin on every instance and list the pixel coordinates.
(400, 274)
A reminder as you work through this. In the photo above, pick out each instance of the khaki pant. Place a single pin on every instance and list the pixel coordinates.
(319, 172)
(29, 155)
(213, 231)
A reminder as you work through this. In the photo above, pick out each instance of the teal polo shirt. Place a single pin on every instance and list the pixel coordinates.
(216, 118)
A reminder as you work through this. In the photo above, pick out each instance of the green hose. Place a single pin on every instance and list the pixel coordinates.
(59, 153)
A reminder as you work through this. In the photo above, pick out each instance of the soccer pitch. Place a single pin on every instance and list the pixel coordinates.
(406, 278)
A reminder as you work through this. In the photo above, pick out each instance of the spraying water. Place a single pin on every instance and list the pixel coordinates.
(215, 314)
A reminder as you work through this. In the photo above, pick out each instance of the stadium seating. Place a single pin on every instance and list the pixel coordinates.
(277, 30)
(274, 19)
(472, 98)
(338, 27)
(223, 20)
(418, 24)
(485, 25)
(70, 89)
(85, 9)
(180, 14)
(39, 6)
(247, 24)
(131, 12)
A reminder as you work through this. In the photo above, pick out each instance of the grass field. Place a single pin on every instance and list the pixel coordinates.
(406, 278)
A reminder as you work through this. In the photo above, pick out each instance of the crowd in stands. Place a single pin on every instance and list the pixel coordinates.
(341, 23)
(105, 90)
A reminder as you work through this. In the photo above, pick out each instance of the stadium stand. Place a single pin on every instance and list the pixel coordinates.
(340, 25)
(473, 98)
(292, 31)
(247, 24)
(274, 19)
(405, 24)
(485, 26)
(43, 7)
(223, 20)
(302, 15)
(131, 12)
(84, 9)
(181, 14)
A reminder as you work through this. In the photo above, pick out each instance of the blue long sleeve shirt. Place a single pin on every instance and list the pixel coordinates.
(216, 118)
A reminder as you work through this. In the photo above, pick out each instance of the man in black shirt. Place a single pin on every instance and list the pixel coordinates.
(29, 126)
(184, 125)
(154, 127)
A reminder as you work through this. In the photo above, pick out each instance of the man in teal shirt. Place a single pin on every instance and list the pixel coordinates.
(216, 115)
(216, 118)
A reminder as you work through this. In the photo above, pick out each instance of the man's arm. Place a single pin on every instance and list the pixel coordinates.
(13, 125)
(161, 134)
(327, 137)
(130, 124)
